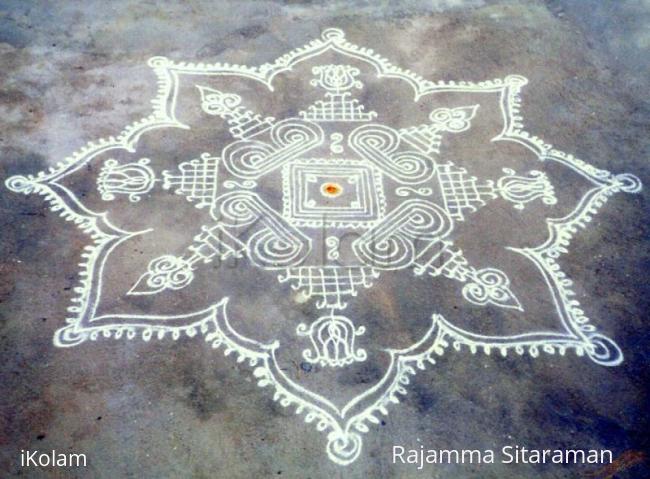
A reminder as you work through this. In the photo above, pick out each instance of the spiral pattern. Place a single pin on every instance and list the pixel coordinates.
(490, 285)
(629, 183)
(604, 351)
(379, 144)
(246, 158)
(218, 103)
(394, 252)
(20, 184)
(332, 34)
(270, 250)
(237, 208)
(344, 448)
(169, 272)
(293, 132)
(426, 220)
(391, 244)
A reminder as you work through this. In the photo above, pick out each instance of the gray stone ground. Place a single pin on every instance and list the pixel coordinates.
(74, 71)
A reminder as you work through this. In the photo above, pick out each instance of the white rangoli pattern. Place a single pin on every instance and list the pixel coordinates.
(334, 163)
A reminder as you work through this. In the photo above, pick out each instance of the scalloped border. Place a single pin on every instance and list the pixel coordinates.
(344, 442)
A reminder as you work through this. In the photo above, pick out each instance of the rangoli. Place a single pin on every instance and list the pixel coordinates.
(333, 221)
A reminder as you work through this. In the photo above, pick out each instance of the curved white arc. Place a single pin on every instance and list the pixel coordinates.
(554, 289)
(560, 229)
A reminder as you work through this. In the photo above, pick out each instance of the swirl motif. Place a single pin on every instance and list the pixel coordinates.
(270, 236)
(604, 351)
(332, 243)
(274, 243)
(490, 285)
(454, 120)
(335, 145)
(380, 144)
(274, 248)
(344, 447)
(215, 102)
(20, 184)
(164, 272)
(407, 190)
(628, 183)
(245, 158)
(391, 244)
(251, 159)
(246, 184)
(235, 209)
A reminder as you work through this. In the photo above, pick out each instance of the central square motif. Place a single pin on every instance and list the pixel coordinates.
(335, 192)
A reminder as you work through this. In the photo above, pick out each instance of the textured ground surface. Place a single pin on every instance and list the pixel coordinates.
(73, 72)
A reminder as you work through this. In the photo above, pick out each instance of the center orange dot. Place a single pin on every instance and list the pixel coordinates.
(331, 189)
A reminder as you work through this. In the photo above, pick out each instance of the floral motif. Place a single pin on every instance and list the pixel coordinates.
(133, 179)
(328, 201)
(336, 78)
(332, 338)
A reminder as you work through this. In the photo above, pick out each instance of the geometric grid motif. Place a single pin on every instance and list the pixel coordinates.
(462, 192)
(329, 284)
(337, 80)
(197, 180)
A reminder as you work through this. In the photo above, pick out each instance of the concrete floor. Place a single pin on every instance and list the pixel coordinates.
(77, 71)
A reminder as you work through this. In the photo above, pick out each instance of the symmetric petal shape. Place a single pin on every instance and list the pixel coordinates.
(357, 184)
